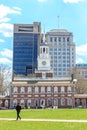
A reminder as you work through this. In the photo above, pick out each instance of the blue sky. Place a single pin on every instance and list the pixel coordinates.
(72, 16)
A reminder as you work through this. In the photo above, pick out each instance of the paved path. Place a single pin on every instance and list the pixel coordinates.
(43, 120)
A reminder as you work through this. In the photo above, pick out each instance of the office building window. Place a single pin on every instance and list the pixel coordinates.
(55, 39)
(51, 39)
(59, 39)
(68, 39)
(63, 39)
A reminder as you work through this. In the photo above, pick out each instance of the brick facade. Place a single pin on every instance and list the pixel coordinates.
(59, 94)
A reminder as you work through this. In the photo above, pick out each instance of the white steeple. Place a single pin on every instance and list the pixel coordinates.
(44, 58)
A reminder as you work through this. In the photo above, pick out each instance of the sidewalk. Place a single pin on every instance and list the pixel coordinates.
(43, 120)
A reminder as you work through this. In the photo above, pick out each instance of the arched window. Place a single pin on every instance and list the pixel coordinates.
(62, 101)
(69, 101)
(55, 102)
(49, 102)
(42, 102)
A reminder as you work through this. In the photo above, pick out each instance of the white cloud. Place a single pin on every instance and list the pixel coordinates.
(81, 50)
(41, 0)
(5, 10)
(1, 40)
(79, 60)
(6, 29)
(5, 61)
(81, 53)
(7, 53)
(73, 1)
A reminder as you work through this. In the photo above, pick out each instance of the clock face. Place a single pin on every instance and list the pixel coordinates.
(43, 62)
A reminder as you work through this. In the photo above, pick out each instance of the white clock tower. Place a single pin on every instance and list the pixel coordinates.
(44, 58)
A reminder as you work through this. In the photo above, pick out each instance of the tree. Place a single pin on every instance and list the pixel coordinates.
(5, 78)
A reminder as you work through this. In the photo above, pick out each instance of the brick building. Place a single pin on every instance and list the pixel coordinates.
(41, 89)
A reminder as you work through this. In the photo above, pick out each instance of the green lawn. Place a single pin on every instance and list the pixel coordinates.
(22, 125)
(42, 114)
(47, 113)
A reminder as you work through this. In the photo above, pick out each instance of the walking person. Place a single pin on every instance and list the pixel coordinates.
(18, 109)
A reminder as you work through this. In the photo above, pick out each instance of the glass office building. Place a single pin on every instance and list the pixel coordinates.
(25, 48)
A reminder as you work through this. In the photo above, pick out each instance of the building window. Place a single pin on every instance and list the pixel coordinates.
(22, 90)
(28, 103)
(55, 102)
(62, 101)
(36, 103)
(43, 50)
(22, 103)
(42, 102)
(48, 89)
(15, 90)
(55, 89)
(59, 39)
(69, 101)
(63, 39)
(36, 89)
(29, 90)
(49, 102)
(62, 89)
(51, 39)
(42, 89)
(55, 39)
(43, 75)
(69, 89)
(67, 39)
(15, 102)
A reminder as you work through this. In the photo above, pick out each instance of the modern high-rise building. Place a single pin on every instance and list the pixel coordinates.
(62, 52)
(25, 48)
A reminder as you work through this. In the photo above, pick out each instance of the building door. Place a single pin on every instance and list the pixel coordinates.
(42, 103)
(36, 103)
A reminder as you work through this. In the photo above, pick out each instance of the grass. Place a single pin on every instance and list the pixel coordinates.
(47, 113)
(42, 114)
(21, 125)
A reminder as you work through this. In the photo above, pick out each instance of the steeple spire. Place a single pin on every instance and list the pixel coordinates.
(44, 35)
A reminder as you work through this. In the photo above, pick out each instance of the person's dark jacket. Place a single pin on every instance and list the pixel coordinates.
(18, 108)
